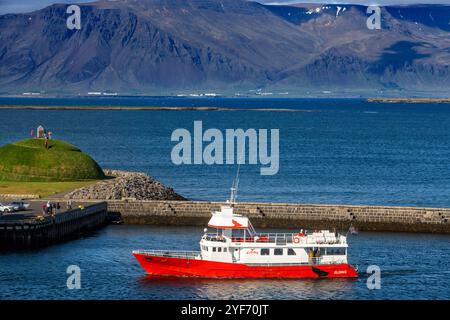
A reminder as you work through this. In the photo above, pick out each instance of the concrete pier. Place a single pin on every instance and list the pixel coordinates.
(291, 216)
(262, 215)
(28, 230)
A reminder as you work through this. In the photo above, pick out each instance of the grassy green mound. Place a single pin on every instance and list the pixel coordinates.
(29, 160)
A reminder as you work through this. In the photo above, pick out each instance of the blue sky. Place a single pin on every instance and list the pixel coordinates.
(15, 6)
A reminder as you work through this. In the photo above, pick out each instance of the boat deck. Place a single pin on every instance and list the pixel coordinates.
(171, 254)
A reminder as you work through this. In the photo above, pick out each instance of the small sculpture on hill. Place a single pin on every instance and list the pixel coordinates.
(40, 133)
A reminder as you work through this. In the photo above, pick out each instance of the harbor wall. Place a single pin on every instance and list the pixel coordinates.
(291, 216)
(32, 232)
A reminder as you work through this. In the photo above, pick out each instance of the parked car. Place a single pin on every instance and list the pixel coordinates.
(19, 205)
(6, 208)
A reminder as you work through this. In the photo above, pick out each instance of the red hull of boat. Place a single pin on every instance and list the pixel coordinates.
(181, 267)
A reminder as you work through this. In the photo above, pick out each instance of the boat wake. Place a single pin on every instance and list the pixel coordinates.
(388, 273)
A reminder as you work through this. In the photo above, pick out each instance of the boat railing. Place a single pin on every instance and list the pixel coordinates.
(266, 237)
(214, 237)
(327, 260)
(284, 238)
(278, 238)
(171, 253)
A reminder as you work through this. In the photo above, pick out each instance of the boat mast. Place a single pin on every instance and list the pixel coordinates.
(234, 187)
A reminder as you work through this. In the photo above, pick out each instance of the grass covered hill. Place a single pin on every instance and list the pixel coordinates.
(29, 160)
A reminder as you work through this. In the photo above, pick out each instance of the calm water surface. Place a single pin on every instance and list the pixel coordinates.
(340, 151)
(333, 151)
(412, 267)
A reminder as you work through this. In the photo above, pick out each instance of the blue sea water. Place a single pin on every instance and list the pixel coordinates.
(331, 151)
(413, 266)
(337, 151)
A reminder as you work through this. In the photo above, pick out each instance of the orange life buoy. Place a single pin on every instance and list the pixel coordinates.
(296, 239)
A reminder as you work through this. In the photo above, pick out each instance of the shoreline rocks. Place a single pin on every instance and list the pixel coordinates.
(125, 185)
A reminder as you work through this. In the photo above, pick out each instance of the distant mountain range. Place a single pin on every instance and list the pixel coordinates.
(227, 46)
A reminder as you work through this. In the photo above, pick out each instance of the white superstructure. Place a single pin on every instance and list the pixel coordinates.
(235, 240)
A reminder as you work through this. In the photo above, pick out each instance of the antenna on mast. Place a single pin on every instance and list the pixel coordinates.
(235, 185)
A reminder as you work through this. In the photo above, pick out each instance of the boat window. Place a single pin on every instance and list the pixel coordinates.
(265, 252)
(278, 252)
(224, 249)
(237, 233)
(214, 249)
(291, 252)
(219, 249)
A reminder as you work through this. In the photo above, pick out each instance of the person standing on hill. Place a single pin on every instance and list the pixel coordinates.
(45, 142)
(32, 133)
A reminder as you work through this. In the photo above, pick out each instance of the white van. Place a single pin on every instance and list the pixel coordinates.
(4, 208)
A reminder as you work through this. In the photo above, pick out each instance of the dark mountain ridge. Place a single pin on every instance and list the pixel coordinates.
(169, 46)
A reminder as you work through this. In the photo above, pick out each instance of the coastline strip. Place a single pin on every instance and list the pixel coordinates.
(409, 100)
(149, 108)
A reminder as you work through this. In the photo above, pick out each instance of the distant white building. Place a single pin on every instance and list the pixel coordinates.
(40, 132)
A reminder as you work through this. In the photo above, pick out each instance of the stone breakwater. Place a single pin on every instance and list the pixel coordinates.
(125, 185)
(291, 216)
(409, 100)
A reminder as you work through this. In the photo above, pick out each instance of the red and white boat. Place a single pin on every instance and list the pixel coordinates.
(235, 250)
